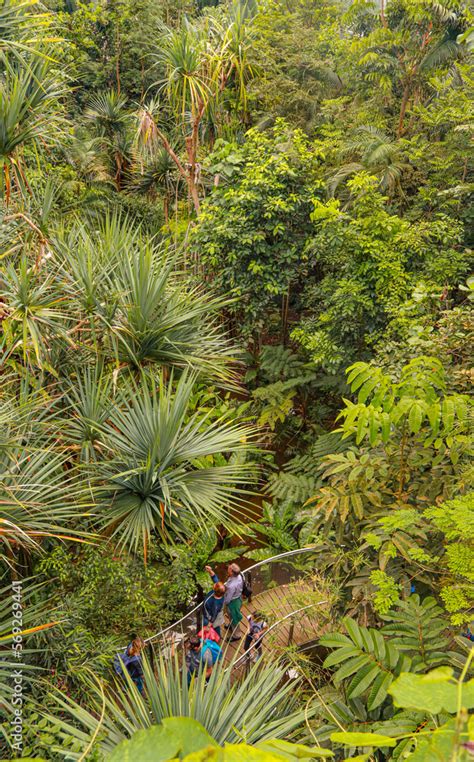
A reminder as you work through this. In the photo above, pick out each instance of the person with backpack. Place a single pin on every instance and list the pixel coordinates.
(201, 654)
(213, 606)
(234, 588)
(254, 637)
(131, 659)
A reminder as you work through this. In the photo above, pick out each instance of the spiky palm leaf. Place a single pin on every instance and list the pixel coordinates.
(234, 37)
(159, 318)
(142, 310)
(89, 397)
(158, 173)
(187, 83)
(168, 473)
(260, 707)
(30, 113)
(22, 28)
(107, 113)
(39, 498)
(35, 313)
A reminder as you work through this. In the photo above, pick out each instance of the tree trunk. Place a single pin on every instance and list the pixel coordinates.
(193, 192)
(403, 109)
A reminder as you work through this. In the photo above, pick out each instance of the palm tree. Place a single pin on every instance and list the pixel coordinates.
(21, 29)
(158, 174)
(199, 63)
(234, 39)
(41, 496)
(170, 470)
(159, 318)
(141, 308)
(261, 706)
(30, 114)
(378, 154)
(111, 120)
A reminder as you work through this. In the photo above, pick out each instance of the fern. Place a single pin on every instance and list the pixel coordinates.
(368, 663)
(417, 628)
(299, 480)
(296, 488)
(279, 363)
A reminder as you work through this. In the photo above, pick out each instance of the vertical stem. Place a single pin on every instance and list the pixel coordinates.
(403, 109)
(117, 60)
(401, 477)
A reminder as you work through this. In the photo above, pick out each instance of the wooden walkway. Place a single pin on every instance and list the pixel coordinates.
(275, 604)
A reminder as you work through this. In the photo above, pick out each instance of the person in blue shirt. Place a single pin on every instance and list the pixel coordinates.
(197, 658)
(213, 607)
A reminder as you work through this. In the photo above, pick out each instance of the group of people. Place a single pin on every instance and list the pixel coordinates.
(205, 649)
(224, 598)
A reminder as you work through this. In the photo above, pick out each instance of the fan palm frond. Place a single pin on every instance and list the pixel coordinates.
(443, 52)
(107, 112)
(170, 470)
(377, 153)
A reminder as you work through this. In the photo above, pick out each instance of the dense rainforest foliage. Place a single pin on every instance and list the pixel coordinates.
(236, 308)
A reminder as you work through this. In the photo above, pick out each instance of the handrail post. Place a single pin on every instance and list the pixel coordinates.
(291, 632)
(199, 610)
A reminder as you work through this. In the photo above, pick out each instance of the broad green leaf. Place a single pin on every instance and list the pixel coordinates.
(386, 427)
(434, 692)
(341, 654)
(155, 744)
(415, 418)
(363, 739)
(373, 428)
(362, 680)
(191, 734)
(334, 640)
(351, 666)
(353, 631)
(288, 750)
(379, 644)
(437, 745)
(378, 692)
(233, 753)
(367, 388)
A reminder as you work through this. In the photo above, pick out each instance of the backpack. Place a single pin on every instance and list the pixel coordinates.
(210, 633)
(246, 588)
(214, 648)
